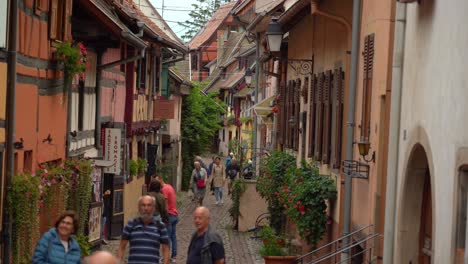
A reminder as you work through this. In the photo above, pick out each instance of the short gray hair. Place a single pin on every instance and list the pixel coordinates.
(144, 196)
(196, 163)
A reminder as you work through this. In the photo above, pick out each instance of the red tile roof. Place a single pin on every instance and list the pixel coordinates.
(133, 11)
(210, 28)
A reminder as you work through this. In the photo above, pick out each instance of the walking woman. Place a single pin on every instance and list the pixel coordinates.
(57, 246)
(199, 177)
(218, 176)
(160, 210)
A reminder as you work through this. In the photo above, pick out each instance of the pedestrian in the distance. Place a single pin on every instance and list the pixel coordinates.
(218, 179)
(160, 210)
(200, 177)
(145, 234)
(169, 192)
(206, 245)
(229, 158)
(231, 173)
(57, 246)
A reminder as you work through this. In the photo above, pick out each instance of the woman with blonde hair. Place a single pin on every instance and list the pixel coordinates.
(199, 178)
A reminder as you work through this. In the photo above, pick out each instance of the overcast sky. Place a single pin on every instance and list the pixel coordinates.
(174, 11)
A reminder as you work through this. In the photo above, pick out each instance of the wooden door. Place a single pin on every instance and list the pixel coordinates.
(425, 231)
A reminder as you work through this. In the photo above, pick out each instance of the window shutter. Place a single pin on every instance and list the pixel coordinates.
(319, 117)
(327, 118)
(338, 82)
(67, 20)
(281, 116)
(367, 86)
(288, 116)
(291, 114)
(297, 104)
(53, 19)
(312, 108)
(305, 90)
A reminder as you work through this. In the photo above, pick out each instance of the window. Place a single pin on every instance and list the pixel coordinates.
(141, 75)
(223, 74)
(3, 23)
(28, 161)
(81, 104)
(312, 116)
(462, 215)
(319, 116)
(60, 13)
(327, 117)
(224, 135)
(338, 94)
(194, 62)
(368, 55)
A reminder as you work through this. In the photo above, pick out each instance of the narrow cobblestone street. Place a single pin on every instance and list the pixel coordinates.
(240, 248)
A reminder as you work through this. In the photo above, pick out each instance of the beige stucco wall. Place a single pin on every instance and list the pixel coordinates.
(132, 191)
(251, 206)
(434, 99)
(367, 194)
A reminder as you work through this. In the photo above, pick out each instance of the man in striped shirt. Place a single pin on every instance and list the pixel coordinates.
(145, 234)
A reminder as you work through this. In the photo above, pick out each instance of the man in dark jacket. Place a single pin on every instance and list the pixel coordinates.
(206, 245)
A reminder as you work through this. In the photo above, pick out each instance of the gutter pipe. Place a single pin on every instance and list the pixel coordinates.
(350, 119)
(257, 75)
(10, 128)
(394, 133)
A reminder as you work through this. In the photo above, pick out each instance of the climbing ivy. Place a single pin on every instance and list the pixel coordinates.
(238, 188)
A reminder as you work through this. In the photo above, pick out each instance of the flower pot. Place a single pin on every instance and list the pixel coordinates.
(279, 259)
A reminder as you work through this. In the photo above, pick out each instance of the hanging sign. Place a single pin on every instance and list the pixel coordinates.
(113, 150)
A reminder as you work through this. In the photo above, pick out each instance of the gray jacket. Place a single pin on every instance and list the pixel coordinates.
(211, 236)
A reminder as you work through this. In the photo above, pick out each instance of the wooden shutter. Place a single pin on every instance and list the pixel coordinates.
(312, 108)
(319, 117)
(53, 19)
(368, 55)
(327, 117)
(292, 86)
(338, 83)
(288, 114)
(297, 104)
(305, 90)
(281, 114)
(67, 20)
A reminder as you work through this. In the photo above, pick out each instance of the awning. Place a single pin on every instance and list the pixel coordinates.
(263, 108)
(244, 92)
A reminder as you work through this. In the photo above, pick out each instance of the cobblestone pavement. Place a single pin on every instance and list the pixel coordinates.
(239, 247)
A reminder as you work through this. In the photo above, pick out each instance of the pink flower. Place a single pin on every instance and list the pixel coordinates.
(28, 195)
(53, 181)
(42, 166)
(40, 204)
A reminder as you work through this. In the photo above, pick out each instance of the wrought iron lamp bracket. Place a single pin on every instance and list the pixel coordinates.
(301, 67)
(356, 169)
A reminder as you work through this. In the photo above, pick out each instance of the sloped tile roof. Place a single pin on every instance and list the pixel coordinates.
(210, 28)
(132, 10)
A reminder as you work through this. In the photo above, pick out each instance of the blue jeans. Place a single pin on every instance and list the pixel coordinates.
(171, 232)
(218, 193)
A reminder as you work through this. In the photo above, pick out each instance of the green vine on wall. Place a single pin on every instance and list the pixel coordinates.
(24, 201)
(50, 190)
(238, 188)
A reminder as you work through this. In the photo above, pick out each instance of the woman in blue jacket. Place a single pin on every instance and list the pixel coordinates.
(57, 246)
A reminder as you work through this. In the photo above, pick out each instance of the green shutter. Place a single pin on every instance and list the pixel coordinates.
(165, 82)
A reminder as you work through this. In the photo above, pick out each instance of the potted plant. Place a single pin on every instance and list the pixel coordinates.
(133, 167)
(275, 248)
(141, 166)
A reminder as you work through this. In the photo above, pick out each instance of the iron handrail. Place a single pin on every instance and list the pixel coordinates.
(331, 243)
(341, 250)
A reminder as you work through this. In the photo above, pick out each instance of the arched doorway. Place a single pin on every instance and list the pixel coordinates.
(414, 231)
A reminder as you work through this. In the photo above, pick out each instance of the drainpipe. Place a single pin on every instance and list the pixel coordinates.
(10, 128)
(394, 133)
(257, 75)
(190, 65)
(353, 43)
(351, 109)
(97, 124)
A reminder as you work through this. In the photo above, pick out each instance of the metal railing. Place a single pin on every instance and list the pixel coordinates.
(336, 248)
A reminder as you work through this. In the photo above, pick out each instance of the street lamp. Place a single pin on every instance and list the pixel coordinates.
(248, 76)
(364, 147)
(274, 35)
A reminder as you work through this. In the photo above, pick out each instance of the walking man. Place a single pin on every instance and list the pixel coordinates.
(101, 257)
(169, 192)
(206, 245)
(146, 234)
